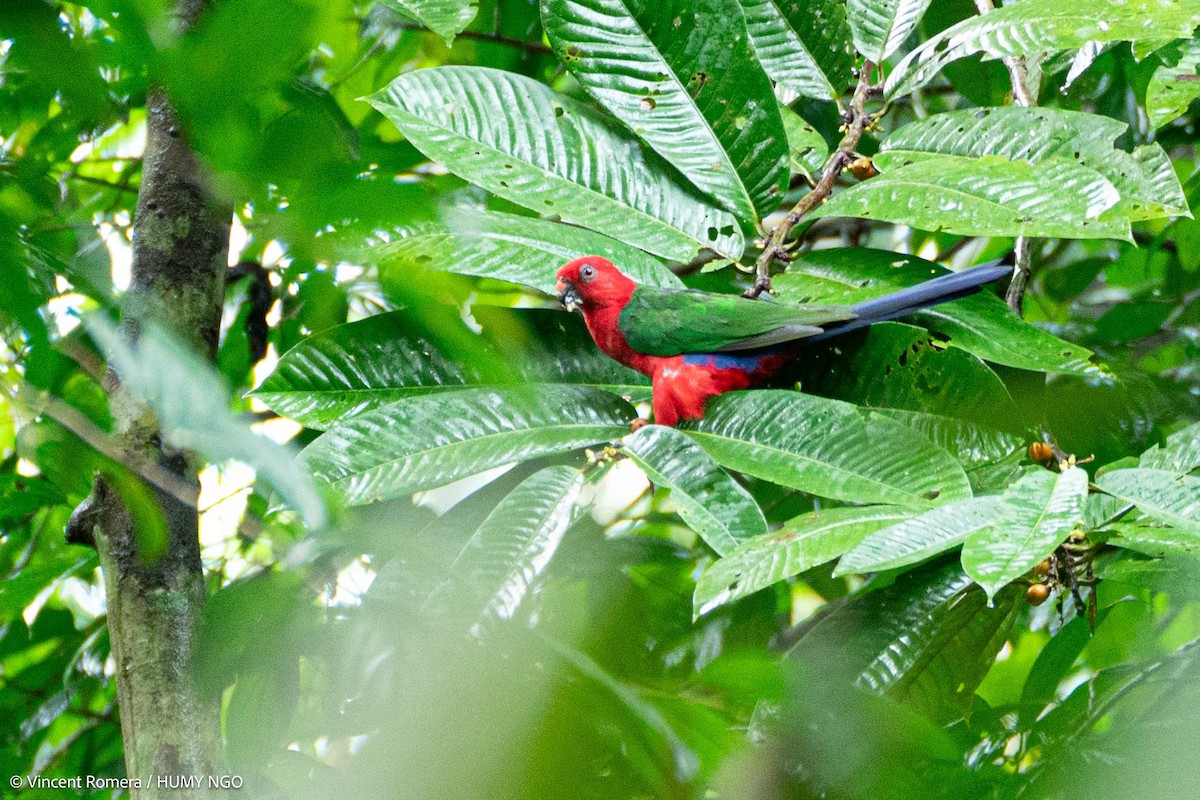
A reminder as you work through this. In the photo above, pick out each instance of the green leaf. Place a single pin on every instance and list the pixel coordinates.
(984, 325)
(1034, 27)
(928, 639)
(1155, 541)
(1158, 494)
(352, 368)
(919, 538)
(1180, 454)
(970, 443)
(987, 197)
(828, 448)
(506, 247)
(902, 366)
(681, 74)
(422, 442)
(1144, 179)
(1035, 515)
(882, 26)
(713, 504)
(519, 140)
(446, 18)
(804, 46)
(980, 324)
(807, 148)
(192, 406)
(1175, 84)
(513, 545)
(801, 544)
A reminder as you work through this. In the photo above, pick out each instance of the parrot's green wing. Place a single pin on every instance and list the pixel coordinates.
(668, 322)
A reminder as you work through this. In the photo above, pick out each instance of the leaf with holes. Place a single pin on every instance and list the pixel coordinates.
(980, 324)
(1175, 84)
(446, 18)
(920, 537)
(1034, 516)
(682, 75)
(713, 504)
(433, 440)
(802, 543)
(987, 197)
(898, 366)
(520, 250)
(882, 26)
(828, 448)
(804, 46)
(1159, 494)
(1035, 27)
(518, 139)
(1143, 178)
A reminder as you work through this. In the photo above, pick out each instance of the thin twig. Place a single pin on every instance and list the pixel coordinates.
(857, 120)
(1026, 81)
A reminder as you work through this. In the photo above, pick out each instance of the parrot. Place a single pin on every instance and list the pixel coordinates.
(694, 345)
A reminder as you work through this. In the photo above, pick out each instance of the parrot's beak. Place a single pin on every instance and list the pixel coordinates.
(568, 296)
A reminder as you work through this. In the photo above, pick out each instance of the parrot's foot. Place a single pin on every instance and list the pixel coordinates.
(638, 424)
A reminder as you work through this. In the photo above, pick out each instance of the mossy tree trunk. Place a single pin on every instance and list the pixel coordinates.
(180, 246)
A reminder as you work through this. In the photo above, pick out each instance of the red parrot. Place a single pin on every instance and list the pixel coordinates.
(694, 345)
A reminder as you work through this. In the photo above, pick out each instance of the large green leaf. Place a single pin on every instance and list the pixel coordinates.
(804, 45)
(901, 366)
(713, 504)
(518, 139)
(1175, 84)
(1158, 494)
(882, 26)
(828, 448)
(928, 639)
(987, 197)
(980, 324)
(513, 545)
(1155, 541)
(1179, 454)
(801, 544)
(1034, 516)
(446, 18)
(682, 75)
(1144, 179)
(520, 250)
(352, 368)
(969, 442)
(423, 442)
(1034, 27)
(192, 406)
(921, 537)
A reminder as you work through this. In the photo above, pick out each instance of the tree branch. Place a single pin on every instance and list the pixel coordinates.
(1026, 78)
(857, 120)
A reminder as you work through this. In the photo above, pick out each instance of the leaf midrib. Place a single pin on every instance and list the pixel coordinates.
(807, 459)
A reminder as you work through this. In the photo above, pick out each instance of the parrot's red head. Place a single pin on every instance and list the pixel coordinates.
(591, 283)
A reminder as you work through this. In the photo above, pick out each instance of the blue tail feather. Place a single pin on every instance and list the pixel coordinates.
(914, 298)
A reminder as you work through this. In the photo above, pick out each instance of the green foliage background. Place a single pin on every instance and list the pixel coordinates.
(817, 594)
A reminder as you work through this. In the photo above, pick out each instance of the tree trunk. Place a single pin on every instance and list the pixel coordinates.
(180, 249)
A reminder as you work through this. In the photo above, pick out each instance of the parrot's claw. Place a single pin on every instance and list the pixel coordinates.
(638, 424)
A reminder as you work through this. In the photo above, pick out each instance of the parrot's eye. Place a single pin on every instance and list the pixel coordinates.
(587, 272)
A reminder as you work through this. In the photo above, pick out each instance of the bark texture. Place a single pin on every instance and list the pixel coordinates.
(180, 249)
